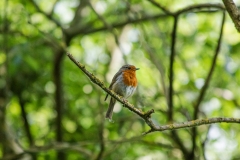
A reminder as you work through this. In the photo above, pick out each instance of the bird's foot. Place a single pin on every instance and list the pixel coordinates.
(124, 102)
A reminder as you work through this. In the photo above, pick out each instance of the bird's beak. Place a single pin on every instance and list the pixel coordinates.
(137, 68)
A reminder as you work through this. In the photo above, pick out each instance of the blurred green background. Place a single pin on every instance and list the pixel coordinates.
(51, 110)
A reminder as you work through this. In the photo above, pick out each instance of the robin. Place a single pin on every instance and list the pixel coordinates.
(124, 83)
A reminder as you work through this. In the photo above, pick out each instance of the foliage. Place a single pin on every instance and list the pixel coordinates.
(54, 111)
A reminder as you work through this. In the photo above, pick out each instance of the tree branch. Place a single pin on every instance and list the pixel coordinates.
(88, 30)
(199, 7)
(203, 144)
(76, 22)
(194, 123)
(55, 146)
(166, 11)
(110, 28)
(49, 16)
(25, 120)
(58, 97)
(204, 88)
(53, 7)
(157, 62)
(145, 116)
(176, 138)
(171, 72)
(101, 130)
(233, 12)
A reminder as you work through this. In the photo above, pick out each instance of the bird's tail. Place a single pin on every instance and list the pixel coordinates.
(110, 109)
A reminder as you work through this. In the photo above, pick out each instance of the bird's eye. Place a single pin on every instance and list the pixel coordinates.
(129, 67)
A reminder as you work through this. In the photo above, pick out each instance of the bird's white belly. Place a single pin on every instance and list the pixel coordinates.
(129, 91)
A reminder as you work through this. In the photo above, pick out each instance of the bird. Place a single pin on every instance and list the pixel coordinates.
(124, 83)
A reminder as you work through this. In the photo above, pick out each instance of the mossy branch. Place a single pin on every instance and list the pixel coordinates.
(233, 12)
(145, 116)
(194, 123)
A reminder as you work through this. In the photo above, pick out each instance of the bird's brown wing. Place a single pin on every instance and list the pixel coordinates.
(113, 81)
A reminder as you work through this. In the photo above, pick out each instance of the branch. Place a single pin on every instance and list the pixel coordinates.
(233, 12)
(157, 62)
(200, 6)
(76, 22)
(193, 123)
(50, 39)
(53, 7)
(88, 30)
(171, 72)
(156, 144)
(101, 130)
(110, 28)
(49, 16)
(176, 138)
(25, 120)
(204, 88)
(166, 11)
(145, 116)
(55, 146)
(203, 144)
(58, 97)
(118, 143)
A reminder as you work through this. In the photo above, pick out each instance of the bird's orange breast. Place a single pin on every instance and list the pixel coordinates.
(129, 78)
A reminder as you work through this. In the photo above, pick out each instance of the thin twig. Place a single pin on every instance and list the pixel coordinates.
(166, 11)
(49, 16)
(89, 30)
(110, 28)
(203, 144)
(48, 37)
(25, 120)
(53, 7)
(101, 131)
(54, 146)
(176, 138)
(205, 86)
(157, 62)
(191, 8)
(171, 70)
(77, 18)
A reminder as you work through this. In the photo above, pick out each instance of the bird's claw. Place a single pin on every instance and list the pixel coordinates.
(125, 101)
